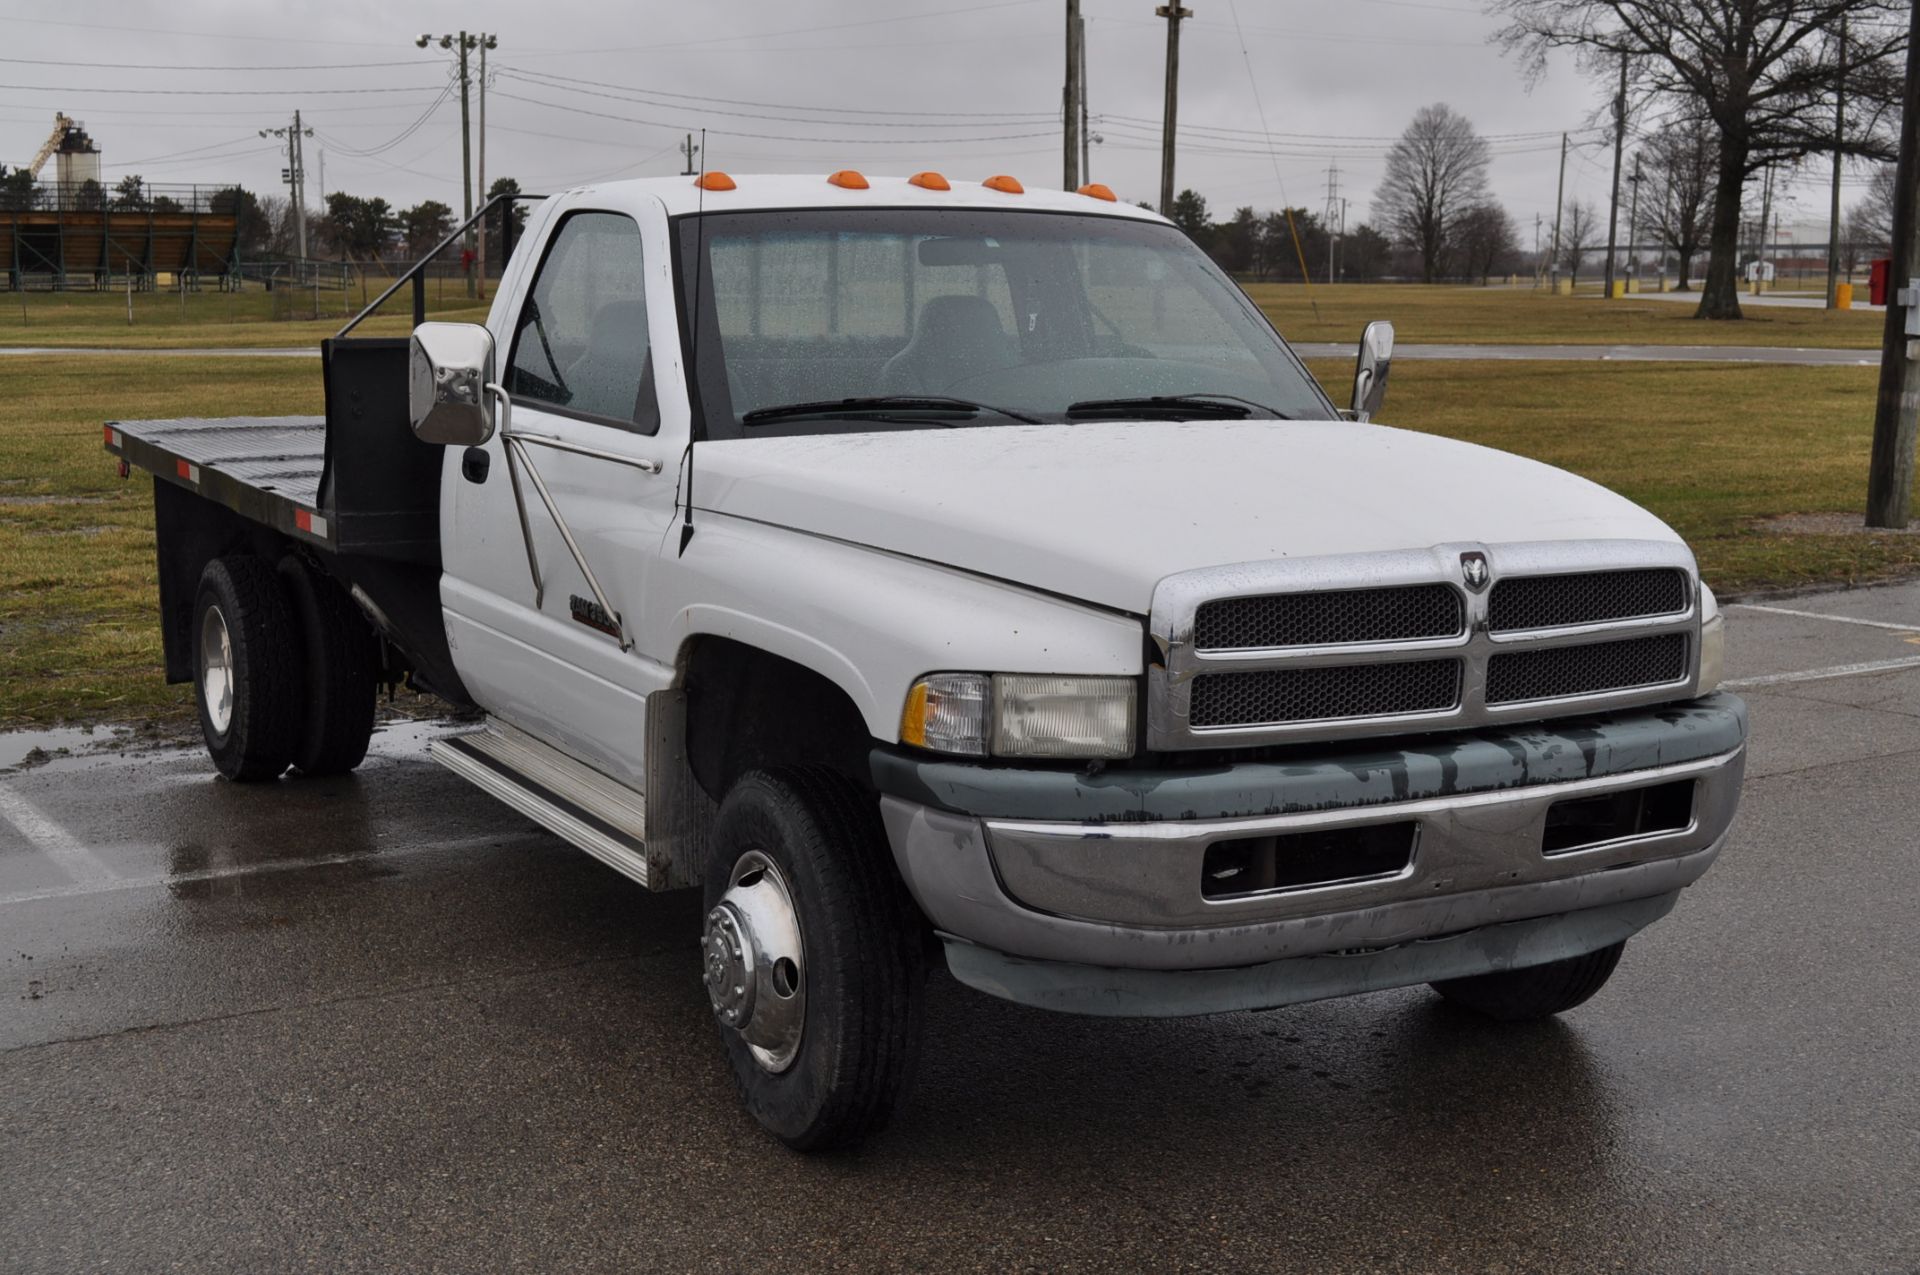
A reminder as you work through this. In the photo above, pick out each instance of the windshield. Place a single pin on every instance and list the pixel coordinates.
(865, 319)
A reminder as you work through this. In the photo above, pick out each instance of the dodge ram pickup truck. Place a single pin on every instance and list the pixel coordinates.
(942, 571)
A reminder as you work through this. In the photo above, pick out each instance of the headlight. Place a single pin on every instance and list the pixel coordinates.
(1021, 715)
(1713, 641)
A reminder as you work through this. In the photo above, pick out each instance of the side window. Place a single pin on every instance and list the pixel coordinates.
(580, 344)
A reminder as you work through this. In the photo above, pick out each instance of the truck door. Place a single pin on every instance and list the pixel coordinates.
(578, 347)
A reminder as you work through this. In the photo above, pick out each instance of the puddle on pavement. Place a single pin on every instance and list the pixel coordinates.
(31, 747)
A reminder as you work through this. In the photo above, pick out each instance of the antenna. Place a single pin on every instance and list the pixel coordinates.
(693, 353)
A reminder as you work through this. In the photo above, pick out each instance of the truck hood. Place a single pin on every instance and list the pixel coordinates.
(1102, 512)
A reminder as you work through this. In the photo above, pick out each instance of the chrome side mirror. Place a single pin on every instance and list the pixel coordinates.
(1371, 368)
(449, 369)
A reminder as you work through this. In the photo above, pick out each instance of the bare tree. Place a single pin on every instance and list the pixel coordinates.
(1487, 241)
(1435, 173)
(1578, 237)
(1871, 220)
(1761, 71)
(1678, 196)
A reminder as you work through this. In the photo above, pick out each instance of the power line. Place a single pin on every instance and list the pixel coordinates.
(776, 137)
(759, 35)
(230, 70)
(1035, 116)
(66, 89)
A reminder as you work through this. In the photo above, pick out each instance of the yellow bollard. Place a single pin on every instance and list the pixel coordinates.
(1843, 296)
(1619, 288)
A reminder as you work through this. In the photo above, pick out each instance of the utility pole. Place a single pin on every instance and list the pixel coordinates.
(1633, 222)
(1559, 201)
(1619, 148)
(1070, 103)
(689, 150)
(485, 42)
(1839, 139)
(323, 176)
(1173, 13)
(1333, 209)
(1086, 132)
(462, 43)
(295, 176)
(1766, 211)
(1890, 479)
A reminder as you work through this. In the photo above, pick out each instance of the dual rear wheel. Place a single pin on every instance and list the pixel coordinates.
(285, 669)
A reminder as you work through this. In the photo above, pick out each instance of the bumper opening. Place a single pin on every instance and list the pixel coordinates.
(1239, 866)
(1581, 823)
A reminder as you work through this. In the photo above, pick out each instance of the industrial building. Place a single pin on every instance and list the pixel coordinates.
(75, 232)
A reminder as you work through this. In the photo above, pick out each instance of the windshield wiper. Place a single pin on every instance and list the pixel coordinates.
(878, 403)
(1224, 406)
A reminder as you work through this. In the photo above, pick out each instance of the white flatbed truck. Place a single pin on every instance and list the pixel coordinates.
(936, 571)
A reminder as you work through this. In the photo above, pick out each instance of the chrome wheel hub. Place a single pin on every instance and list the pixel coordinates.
(755, 967)
(216, 669)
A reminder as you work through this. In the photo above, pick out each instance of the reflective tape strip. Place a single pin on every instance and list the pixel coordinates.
(187, 470)
(312, 523)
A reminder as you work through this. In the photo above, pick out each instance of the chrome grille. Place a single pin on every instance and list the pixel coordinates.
(1325, 694)
(1561, 672)
(1593, 597)
(1330, 618)
(1380, 643)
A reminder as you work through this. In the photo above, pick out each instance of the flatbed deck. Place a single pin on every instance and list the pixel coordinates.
(265, 468)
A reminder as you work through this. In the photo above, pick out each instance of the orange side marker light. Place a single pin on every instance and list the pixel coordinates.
(715, 180)
(1095, 190)
(929, 181)
(847, 179)
(1005, 184)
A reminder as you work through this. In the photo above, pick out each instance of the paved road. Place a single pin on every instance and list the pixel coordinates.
(381, 1024)
(1306, 349)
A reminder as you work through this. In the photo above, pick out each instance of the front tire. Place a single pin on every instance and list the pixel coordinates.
(246, 668)
(814, 957)
(1538, 991)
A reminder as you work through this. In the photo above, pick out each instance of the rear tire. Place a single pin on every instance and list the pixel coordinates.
(808, 843)
(340, 662)
(1538, 991)
(246, 668)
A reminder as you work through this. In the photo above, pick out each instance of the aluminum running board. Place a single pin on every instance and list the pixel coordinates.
(605, 818)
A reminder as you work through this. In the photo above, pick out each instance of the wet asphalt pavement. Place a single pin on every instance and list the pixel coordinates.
(383, 1024)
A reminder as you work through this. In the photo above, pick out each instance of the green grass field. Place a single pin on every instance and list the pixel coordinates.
(1419, 313)
(1711, 449)
(1520, 316)
(167, 320)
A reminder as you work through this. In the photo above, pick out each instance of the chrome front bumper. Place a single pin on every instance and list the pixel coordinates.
(1126, 894)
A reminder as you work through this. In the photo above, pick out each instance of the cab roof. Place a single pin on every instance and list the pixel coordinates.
(760, 191)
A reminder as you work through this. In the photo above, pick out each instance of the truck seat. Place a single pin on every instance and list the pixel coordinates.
(954, 337)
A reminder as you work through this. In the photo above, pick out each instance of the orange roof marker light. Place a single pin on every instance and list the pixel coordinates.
(715, 180)
(1005, 184)
(847, 179)
(1095, 190)
(929, 181)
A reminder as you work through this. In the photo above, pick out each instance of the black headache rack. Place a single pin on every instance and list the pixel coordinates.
(354, 488)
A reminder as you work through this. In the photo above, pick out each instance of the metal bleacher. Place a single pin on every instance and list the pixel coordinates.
(84, 237)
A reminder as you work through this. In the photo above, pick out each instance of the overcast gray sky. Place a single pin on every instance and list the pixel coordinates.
(583, 91)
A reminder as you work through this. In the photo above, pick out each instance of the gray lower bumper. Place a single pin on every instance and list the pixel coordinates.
(1121, 993)
(1125, 893)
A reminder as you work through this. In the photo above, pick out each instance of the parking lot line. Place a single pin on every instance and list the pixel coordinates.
(81, 865)
(1837, 619)
(1821, 674)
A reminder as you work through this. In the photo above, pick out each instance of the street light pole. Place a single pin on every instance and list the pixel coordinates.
(462, 43)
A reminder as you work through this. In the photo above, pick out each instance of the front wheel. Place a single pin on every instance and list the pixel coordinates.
(1537, 991)
(813, 957)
